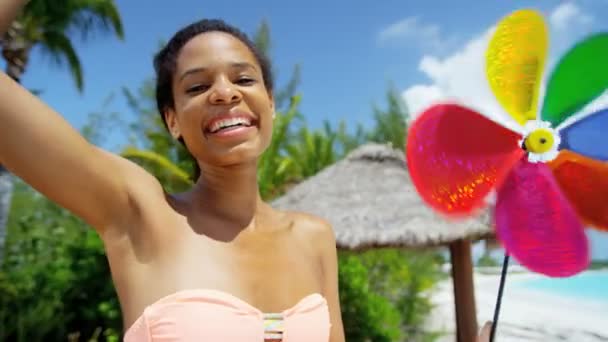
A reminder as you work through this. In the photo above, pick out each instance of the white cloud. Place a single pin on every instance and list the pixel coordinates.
(458, 78)
(412, 29)
(461, 77)
(420, 96)
(567, 15)
(568, 23)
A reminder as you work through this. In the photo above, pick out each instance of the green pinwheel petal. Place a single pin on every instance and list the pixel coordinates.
(579, 77)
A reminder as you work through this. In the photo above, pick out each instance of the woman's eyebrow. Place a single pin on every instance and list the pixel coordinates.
(236, 65)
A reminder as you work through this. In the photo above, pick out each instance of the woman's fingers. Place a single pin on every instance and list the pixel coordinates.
(484, 334)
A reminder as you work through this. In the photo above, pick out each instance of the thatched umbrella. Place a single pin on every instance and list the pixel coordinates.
(371, 202)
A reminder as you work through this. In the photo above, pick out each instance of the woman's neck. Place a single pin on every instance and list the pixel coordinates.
(230, 193)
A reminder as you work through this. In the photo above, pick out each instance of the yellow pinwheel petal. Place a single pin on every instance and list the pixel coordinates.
(515, 60)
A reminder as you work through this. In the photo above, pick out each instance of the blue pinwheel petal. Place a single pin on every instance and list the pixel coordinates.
(588, 136)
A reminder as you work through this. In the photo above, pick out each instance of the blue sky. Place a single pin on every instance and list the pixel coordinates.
(349, 51)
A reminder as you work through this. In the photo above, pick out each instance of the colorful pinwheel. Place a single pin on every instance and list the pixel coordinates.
(550, 174)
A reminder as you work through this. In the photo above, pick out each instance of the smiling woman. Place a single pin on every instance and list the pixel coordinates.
(214, 263)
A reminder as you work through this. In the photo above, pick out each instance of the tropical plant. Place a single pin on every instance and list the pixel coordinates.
(312, 151)
(386, 294)
(275, 169)
(50, 27)
(349, 141)
(283, 96)
(391, 124)
(367, 316)
(55, 281)
(151, 145)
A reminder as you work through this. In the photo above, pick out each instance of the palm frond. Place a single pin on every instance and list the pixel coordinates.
(272, 169)
(159, 160)
(50, 26)
(91, 16)
(60, 49)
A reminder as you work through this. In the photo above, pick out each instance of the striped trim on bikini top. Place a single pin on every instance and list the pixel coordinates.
(273, 326)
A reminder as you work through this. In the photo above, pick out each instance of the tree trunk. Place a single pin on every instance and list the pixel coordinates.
(6, 191)
(464, 291)
(15, 51)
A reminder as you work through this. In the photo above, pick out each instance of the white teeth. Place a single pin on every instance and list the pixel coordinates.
(229, 122)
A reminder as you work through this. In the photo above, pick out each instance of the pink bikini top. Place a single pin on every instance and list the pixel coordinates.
(211, 315)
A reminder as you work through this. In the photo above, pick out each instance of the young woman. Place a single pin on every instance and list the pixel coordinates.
(215, 263)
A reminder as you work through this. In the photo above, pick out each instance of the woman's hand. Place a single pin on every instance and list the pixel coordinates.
(484, 333)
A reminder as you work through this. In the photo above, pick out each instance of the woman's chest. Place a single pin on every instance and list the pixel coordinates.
(257, 263)
(271, 271)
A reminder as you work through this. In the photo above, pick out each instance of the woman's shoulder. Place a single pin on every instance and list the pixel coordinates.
(312, 228)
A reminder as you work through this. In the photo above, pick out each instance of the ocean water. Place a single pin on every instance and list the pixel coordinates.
(592, 285)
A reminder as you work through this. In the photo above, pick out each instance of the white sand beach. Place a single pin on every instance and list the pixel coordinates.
(526, 315)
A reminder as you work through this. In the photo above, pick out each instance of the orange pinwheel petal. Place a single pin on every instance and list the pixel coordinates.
(584, 181)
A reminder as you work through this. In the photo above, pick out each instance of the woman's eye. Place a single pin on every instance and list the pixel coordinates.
(197, 88)
(245, 81)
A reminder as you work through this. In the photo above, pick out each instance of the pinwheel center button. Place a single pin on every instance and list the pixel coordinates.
(540, 141)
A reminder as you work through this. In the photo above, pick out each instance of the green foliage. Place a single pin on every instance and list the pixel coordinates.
(349, 141)
(313, 150)
(297, 152)
(282, 97)
(598, 265)
(366, 315)
(261, 38)
(151, 145)
(386, 293)
(275, 171)
(486, 260)
(391, 124)
(55, 279)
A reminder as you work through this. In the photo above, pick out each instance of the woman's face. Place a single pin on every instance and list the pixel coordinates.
(223, 110)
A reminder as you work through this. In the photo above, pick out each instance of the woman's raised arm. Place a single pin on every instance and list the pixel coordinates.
(40, 147)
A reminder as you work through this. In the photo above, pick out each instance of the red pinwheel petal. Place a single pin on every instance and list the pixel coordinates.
(536, 223)
(456, 157)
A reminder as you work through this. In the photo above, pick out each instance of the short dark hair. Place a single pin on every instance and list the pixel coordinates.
(165, 61)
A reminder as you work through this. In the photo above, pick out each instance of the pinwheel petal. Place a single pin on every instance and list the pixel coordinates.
(584, 181)
(588, 136)
(536, 223)
(457, 156)
(579, 77)
(515, 60)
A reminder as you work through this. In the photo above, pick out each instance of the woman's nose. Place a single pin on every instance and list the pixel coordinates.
(224, 92)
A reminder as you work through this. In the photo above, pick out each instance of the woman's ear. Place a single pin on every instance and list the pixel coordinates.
(171, 120)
